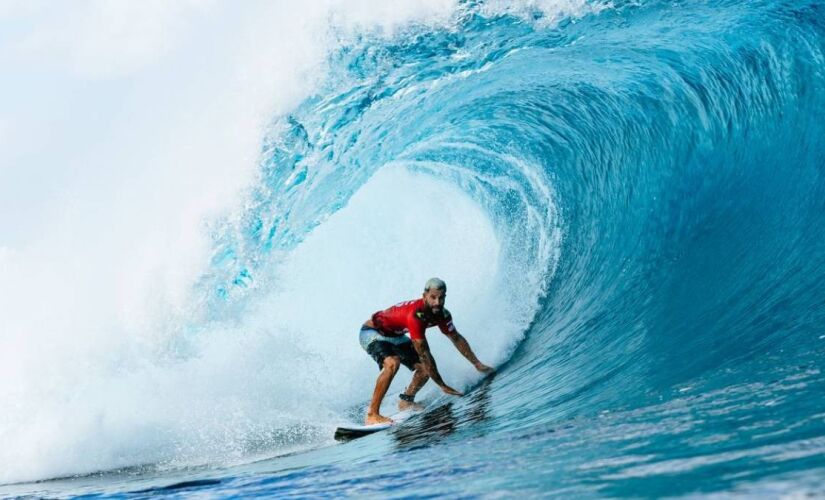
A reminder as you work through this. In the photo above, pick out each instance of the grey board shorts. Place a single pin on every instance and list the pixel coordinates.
(380, 346)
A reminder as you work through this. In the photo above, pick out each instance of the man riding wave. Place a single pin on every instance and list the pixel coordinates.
(384, 337)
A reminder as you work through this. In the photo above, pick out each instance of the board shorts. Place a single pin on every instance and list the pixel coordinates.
(381, 346)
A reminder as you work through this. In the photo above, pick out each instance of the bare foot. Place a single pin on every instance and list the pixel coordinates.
(377, 419)
(408, 405)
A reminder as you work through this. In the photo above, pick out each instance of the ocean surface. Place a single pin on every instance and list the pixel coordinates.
(627, 202)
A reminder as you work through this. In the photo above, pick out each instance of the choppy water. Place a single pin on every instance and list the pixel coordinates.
(627, 201)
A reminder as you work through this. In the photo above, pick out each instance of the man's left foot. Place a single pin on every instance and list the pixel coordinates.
(409, 405)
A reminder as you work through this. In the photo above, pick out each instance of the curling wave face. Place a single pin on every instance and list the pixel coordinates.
(659, 166)
(626, 201)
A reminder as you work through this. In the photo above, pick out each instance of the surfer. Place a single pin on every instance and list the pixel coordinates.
(383, 337)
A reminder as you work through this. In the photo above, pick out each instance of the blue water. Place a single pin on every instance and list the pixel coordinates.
(655, 174)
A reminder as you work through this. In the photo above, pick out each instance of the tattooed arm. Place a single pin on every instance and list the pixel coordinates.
(463, 347)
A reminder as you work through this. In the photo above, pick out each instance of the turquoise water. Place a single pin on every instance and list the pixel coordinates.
(653, 175)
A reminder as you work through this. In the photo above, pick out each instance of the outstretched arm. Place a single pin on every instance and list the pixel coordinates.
(463, 347)
(423, 350)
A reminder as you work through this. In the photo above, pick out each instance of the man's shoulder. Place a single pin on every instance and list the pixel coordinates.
(407, 306)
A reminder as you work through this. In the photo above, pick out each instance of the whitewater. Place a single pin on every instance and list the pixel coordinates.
(200, 203)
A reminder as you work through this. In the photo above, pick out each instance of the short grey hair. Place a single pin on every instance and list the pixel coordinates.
(436, 283)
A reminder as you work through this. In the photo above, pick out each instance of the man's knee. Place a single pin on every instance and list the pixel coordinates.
(391, 363)
(420, 368)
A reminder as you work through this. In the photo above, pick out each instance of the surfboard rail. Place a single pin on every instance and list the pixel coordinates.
(348, 432)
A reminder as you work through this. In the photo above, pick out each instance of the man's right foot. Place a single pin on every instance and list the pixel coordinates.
(377, 419)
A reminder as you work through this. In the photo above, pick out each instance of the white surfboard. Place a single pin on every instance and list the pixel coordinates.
(348, 432)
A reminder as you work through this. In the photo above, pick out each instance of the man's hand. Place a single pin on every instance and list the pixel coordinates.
(449, 390)
(484, 368)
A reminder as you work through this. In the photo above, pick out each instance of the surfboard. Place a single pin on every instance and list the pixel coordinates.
(348, 432)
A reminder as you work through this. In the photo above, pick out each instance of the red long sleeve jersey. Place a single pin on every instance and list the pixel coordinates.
(410, 317)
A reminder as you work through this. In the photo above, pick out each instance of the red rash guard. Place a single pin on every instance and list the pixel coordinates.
(409, 316)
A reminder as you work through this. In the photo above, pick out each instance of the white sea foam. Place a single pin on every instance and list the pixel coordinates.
(544, 12)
